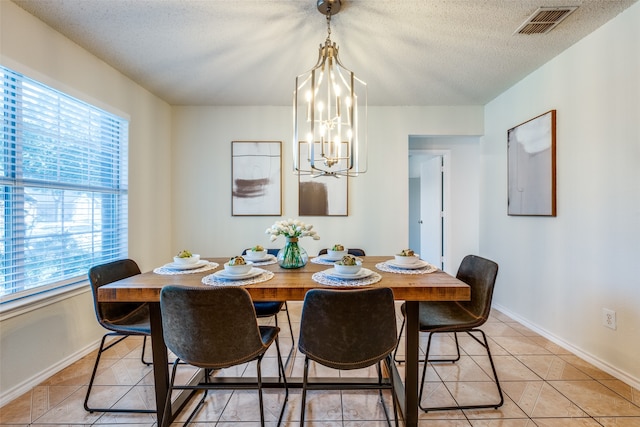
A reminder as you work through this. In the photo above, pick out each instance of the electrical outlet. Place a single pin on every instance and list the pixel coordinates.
(609, 318)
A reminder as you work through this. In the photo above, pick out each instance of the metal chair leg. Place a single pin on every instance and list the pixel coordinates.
(395, 352)
(388, 360)
(284, 379)
(483, 343)
(101, 350)
(209, 385)
(305, 378)
(260, 399)
(200, 403)
(167, 404)
(293, 341)
(394, 398)
(286, 308)
(144, 346)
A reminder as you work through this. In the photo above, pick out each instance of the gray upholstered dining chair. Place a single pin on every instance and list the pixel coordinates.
(460, 316)
(272, 308)
(214, 328)
(120, 318)
(348, 329)
(350, 251)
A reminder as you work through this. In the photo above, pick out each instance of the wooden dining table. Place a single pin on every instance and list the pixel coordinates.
(292, 285)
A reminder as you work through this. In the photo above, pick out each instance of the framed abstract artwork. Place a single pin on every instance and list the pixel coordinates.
(531, 165)
(321, 195)
(256, 178)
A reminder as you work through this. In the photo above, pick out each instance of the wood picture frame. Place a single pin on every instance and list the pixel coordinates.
(256, 178)
(531, 148)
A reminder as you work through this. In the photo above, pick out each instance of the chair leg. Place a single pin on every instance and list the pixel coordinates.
(388, 362)
(144, 346)
(200, 403)
(95, 369)
(455, 336)
(286, 308)
(424, 371)
(101, 350)
(395, 352)
(493, 367)
(167, 403)
(483, 343)
(259, 371)
(427, 360)
(304, 390)
(207, 382)
(293, 341)
(284, 379)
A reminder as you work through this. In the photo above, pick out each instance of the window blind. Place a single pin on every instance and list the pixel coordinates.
(63, 187)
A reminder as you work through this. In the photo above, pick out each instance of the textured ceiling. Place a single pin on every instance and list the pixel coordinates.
(248, 52)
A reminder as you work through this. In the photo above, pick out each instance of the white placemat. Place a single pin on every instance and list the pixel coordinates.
(383, 266)
(319, 260)
(214, 280)
(171, 271)
(269, 259)
(322, 278)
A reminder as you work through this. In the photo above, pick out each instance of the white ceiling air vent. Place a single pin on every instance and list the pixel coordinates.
(544, 20)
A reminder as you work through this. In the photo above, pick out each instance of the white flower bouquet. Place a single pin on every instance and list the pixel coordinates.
(291, 228)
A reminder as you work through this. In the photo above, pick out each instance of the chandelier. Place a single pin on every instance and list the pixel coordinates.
(329, 113)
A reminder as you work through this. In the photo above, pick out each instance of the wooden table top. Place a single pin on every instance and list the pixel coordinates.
(291, 285)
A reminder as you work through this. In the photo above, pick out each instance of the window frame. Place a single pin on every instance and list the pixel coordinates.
(11, 182)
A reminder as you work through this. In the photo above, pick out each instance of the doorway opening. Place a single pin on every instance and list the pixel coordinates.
(428, 180)
(454, 229)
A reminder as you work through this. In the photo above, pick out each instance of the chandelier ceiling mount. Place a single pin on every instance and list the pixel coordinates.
(329, 7)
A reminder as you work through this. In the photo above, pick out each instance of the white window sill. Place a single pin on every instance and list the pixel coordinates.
(29, 303)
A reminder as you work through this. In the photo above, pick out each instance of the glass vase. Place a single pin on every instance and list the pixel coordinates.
(292, 255)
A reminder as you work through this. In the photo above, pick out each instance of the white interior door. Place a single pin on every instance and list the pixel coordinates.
(431, 197)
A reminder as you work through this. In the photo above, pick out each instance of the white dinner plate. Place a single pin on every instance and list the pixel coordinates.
(326, 257)
(223, 274)
(251, 257)
(174, 266)
(361, 274)
(267, 257)
(418, 264)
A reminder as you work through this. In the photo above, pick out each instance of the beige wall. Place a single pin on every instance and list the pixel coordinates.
(558, 273)
(378, 200)
(33, 343)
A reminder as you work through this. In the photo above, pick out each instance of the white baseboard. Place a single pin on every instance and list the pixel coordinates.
(17, 391)
(611, 370)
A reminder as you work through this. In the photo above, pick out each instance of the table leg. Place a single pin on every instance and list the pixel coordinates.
(160, 360)
(411, 364)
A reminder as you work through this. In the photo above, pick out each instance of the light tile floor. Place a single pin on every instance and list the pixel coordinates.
(544, 386)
